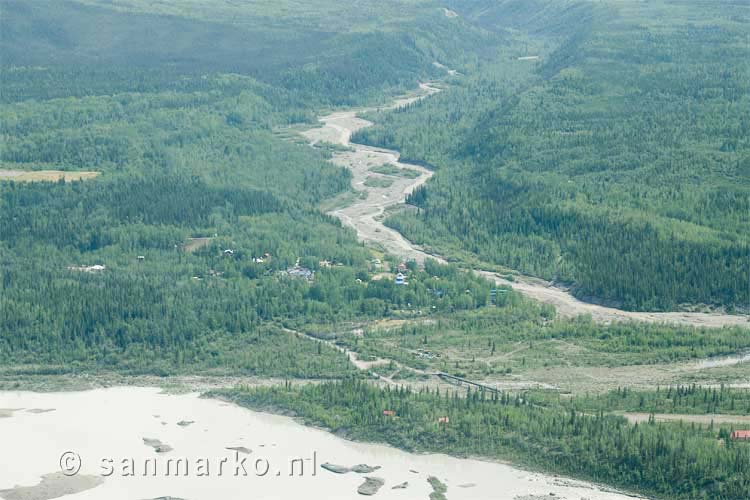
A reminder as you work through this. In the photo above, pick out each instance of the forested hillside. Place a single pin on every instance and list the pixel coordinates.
(176, 257)
(617, 163)
(162, 215)
(177, 172)
(332, 53)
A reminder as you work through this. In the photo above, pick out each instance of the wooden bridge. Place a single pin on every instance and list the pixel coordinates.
(453, 378)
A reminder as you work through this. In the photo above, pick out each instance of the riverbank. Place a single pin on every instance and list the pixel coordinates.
(112, 423)
(365, 213)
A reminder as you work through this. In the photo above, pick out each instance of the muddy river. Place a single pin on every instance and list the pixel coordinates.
(127, 443)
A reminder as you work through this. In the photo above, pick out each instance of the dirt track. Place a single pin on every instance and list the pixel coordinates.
(365, 214)
(705, 419)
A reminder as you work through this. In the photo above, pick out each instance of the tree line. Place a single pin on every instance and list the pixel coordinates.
(658, 459)
(615, 166)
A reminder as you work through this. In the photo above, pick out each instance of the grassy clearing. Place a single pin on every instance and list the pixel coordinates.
(390, 169)
(195, 244)
(342, 200)
(522, 342)
(378, 182)
(331, 147)
(45, 175)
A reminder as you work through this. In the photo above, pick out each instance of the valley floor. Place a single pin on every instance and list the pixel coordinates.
(366, 211)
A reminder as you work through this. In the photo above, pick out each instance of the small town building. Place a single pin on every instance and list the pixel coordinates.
(424, 354)
(301, 272)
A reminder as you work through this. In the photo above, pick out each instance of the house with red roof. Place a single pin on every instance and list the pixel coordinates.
(740, 435)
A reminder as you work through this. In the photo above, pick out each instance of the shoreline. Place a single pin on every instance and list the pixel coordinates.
(221, 422)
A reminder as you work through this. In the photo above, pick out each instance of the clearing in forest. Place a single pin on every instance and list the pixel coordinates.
(44, 175)
(195, 244)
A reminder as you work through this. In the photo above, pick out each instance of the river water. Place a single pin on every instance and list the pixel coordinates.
(106, 426)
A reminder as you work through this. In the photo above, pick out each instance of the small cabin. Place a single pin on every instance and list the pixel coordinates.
(389, 413)
(400, 279)
(740, 436)
(443, 420)
(228, 252)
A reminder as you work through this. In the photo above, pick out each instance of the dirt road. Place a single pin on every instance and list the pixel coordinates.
(704, 419)
(365, 214)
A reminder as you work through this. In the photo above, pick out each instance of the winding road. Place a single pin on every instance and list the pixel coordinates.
(366, 212)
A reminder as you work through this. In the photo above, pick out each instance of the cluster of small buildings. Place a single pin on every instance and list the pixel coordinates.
(229, 252)
(298, 271)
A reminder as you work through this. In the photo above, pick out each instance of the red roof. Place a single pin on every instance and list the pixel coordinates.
(740, 434)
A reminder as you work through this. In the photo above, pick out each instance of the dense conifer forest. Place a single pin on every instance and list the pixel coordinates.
(681, 399)
(183, 115)
(654, 458)
(619, 165)
(599, 145)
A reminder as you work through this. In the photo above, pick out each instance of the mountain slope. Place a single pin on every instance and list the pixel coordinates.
(620, 167)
